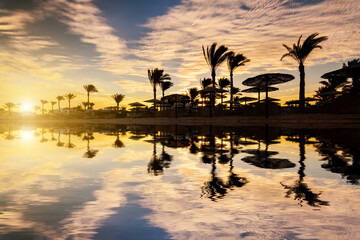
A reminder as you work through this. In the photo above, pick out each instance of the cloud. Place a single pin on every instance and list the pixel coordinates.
(255, 28)
(131, 86)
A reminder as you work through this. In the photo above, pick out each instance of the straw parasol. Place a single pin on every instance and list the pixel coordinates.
(267, 80)
(136, 104)
(247, 99)
(259, 89)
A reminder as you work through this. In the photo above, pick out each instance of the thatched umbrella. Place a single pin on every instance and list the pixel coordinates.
(270, 99)
(267, 80)
(259, 89)
(247, 99)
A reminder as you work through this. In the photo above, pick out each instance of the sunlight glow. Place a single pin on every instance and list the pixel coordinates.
(26, 135)
(26, 107)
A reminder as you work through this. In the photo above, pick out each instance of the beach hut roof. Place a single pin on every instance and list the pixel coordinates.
(269, 78)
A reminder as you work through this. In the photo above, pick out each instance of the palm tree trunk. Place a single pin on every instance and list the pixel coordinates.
(88, 105)
(302, 87)
(231, 90)
(154, 100)
(117, 106)
(59, 104)
(42, 108)
(212, 99)
(69, 105)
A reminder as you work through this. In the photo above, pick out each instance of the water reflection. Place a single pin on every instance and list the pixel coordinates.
(301, 190)
(209, 176)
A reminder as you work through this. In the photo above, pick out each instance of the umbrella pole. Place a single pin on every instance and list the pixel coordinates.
(266, 100)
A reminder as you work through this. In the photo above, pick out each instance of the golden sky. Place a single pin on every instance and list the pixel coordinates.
(50, 48)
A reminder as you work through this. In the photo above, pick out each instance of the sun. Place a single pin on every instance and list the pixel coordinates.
(26, 107)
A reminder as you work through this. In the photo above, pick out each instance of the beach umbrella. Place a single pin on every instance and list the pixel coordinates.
(267, 80)
(259, 89)
(247, 99)
(136, 104)
(270, 99)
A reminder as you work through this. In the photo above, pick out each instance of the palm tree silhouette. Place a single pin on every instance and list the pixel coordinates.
(10, 105)
(89, 89)
(52, 105)
(234, 61)
(165, 85)
(43, 102)
(156, 76)
(59, 99)
(70, 96)
(299, 53)
(214, 57)
(223, 83)
(193, 93)
(118, 98)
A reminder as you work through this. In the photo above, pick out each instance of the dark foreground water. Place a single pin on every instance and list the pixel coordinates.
(176, 182)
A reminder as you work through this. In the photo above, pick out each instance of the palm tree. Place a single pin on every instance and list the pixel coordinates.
(193, 93)
(52, 105)
(43, 102)
(70, 96)
(165, 85)
(89, 89)
(118, 98)
(59, 99)
(214, 57)
(85, 104)
(36, 108)
(10, 105)
(354, 74)
(299, 53)
(234, 61)
(156, 76)
(223, 83)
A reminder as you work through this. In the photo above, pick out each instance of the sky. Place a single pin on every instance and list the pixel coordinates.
(54, 47)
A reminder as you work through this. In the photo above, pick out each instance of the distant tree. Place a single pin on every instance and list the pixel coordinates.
(89, 89)
(193, 93)
(59, 99)
(299, 52)
(52, 105)
(85, 104)
(156, 76)
(91, 105)
(223, 83)
(69, 97)
(43, 102)
(10, 105)
(354, 66)
(205, 82)
(36, 108)
(118, 99)
(165, 85)
(234, 61)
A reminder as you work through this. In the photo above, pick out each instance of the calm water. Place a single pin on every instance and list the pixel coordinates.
(176, 182)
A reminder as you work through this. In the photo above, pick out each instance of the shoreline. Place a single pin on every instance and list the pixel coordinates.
(310, 121)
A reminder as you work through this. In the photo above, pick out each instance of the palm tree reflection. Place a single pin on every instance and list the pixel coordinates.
(216, 188)
(302, 192)
(339, 160)
(90, 153)
(118, 143)
(59, 143)
(69, 144)
(157, 164)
